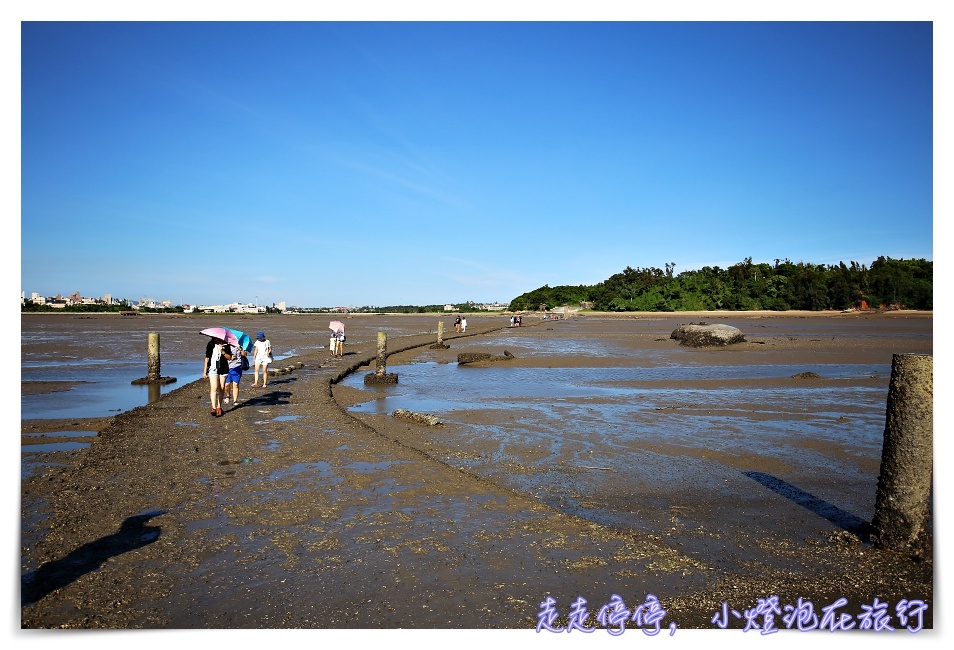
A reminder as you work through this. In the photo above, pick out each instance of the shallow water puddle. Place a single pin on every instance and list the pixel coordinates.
(61, 434)
(30, 454)
(54, 447)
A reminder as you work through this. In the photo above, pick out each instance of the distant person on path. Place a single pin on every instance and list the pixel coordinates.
(234, 375)
(463, 324)
(263, 357)
(216, 367)
(457, 324)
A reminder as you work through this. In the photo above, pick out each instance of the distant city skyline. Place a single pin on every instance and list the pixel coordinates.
(108, 298)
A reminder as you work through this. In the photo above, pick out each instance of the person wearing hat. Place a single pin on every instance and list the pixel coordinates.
(263, 357)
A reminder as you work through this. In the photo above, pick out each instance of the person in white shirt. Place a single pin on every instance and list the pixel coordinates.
(263, 357)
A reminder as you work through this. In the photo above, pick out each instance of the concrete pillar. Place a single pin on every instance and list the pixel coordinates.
(153, 373)
(440, 332)
(382, 363)
(381, 374)
(903, 502)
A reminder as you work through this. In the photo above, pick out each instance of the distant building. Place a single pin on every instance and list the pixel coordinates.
(239, 308)
(450, 308)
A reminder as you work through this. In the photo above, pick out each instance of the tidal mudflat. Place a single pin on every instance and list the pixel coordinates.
(602, 460)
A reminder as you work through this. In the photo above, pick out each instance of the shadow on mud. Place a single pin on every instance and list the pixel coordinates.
(133, 534)
(844, 520)
(266, 397)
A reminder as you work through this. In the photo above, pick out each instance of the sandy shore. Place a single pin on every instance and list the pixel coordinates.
(292, 512)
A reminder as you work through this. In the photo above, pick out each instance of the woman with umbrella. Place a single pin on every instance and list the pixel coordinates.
(337, 338)
(216, 367)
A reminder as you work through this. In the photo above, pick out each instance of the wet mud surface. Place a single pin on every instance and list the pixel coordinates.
(300, 509)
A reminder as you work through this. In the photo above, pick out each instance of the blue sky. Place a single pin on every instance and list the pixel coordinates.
(381, 163)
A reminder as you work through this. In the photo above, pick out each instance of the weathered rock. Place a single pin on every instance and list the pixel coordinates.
(806, 375)
(477, 357)
(473, 357)
(701, 335)
(287, 369)
(420, 418)
(146, 380)
(379, 378)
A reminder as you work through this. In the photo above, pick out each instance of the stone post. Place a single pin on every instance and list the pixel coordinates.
(440, 345)
(903, 502)
(153, 373)
(381, 374)
(382, 361)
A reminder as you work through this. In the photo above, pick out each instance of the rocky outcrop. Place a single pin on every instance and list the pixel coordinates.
(287, 369)
(380, 378)
(700, 335)
(478, 357)
(420, 418)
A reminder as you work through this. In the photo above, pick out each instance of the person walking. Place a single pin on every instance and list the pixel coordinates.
(234, 376)
(339, 343)
(263, 357)
(216, 367)
(463, 324)
(457, 324)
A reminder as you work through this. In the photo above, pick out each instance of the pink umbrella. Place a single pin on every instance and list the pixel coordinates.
(336, 326)
(221, 333)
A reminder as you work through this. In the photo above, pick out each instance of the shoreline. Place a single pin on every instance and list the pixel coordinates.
(575, 312)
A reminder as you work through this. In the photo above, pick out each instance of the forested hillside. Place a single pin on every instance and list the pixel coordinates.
(908, 284)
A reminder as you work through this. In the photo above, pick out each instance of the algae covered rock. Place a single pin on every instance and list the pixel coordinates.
(699, 335)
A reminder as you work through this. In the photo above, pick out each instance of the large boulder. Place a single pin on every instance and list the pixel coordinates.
(482, 357)
(699, 335)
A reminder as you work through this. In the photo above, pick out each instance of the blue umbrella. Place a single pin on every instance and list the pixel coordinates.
(244, 340)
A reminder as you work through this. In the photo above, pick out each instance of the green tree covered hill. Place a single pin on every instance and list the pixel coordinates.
(780, 286)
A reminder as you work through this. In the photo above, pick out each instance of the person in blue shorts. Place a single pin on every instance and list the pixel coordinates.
(235, 375)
